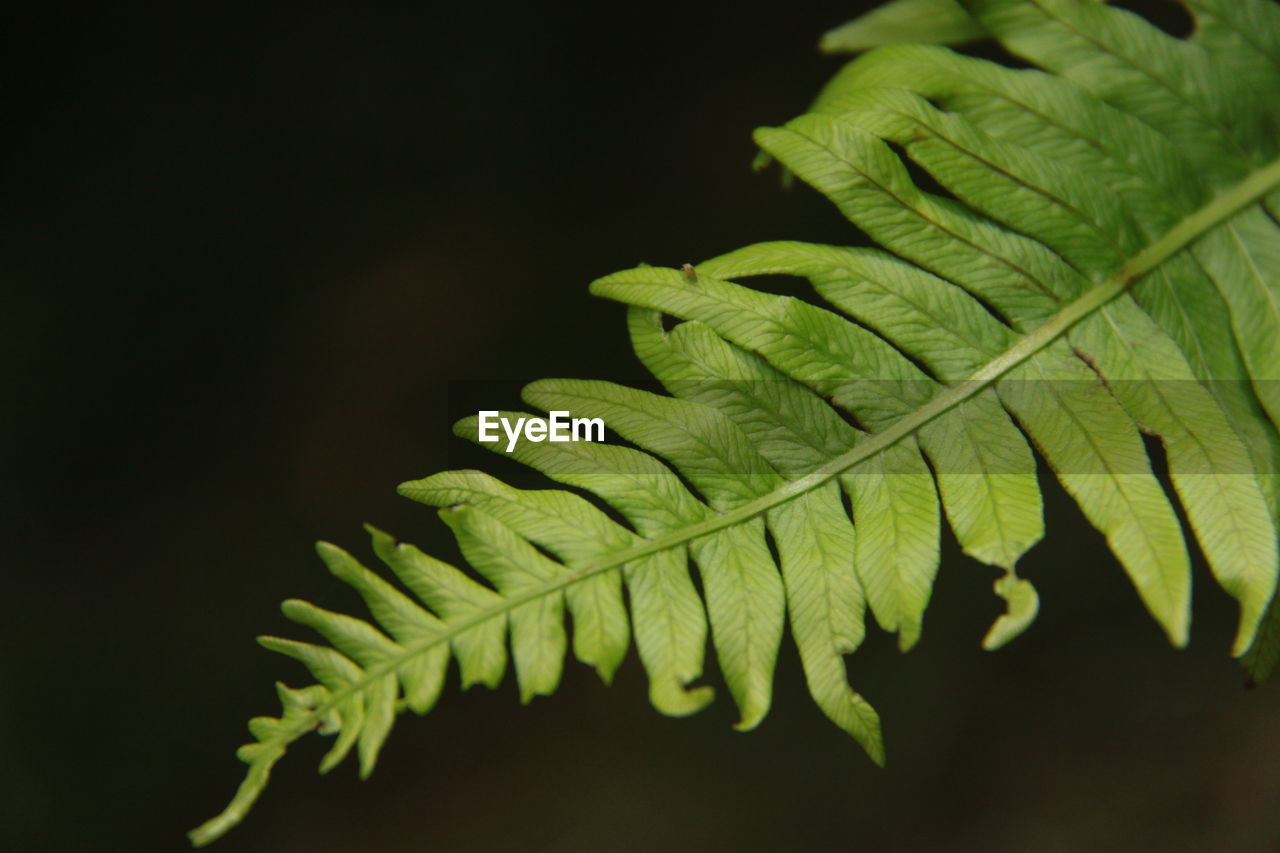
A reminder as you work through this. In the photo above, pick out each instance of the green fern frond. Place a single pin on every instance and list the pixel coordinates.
(1103, 261)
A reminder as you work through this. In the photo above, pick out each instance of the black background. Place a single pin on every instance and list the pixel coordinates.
(244, 254)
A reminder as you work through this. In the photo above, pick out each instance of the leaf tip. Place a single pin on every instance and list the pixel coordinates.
(873, 744)
(295, 609)
(326, 550)
(606, 673)
(675, 699)
(210, 831)
(752, 716)
(335, 559)
(1253, 618)
(908, 636)
(1022, 606)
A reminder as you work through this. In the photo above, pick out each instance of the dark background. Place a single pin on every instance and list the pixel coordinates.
(243, 255)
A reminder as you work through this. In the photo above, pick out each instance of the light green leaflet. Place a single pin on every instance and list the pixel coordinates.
(917, 21)
(1102, 261)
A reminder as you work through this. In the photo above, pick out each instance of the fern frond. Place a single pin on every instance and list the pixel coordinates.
(1105, 262)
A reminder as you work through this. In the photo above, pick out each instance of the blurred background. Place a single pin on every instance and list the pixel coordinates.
(245, 253)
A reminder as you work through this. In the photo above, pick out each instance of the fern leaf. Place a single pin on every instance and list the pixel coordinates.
(1094, 257)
